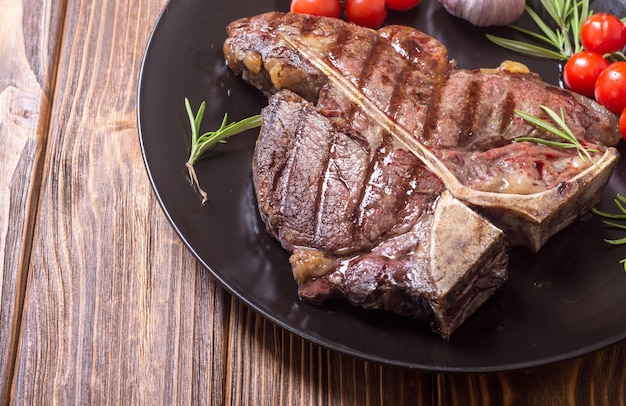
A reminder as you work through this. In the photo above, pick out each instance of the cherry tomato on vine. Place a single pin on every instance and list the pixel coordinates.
(603, 33)
(402, 5)
(622, 124)
(610, 90)
(368, 13)
(582, 70)
(327, 8)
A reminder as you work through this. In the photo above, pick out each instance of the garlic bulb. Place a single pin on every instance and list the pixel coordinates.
(484, 13)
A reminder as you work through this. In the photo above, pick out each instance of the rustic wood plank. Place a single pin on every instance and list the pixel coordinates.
(267, 365)
(110, 307)
(598, 378)
(28, 52)
(210, 338)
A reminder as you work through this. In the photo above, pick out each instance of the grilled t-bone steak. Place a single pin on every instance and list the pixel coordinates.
(371, 225)
(363, 217)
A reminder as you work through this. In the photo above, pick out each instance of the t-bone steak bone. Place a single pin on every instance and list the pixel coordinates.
(363, 217)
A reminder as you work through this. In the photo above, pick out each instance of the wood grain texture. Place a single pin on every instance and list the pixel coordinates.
(104, 315)
(296, 372)
(29, 39)
(116, 310)
(571, 382)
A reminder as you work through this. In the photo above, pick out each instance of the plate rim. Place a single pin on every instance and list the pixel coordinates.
(241, 296)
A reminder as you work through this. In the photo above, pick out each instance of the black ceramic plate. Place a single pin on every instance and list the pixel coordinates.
(565, 301)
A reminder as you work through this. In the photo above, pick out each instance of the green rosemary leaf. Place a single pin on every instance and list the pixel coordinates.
(580, 16)
(574, 26)
(549, 143)
(530, 33)
(198, 120)
(608, 215)
(190, 115)
(560, 130)
(619, 205)
(524, 47)
(617, 242)
(209, 139)
(615, 225)
(200, 144)
(536, 121)
(615, 216)
(554, 9)
(560, 121)
(543, 26)
(567, 17)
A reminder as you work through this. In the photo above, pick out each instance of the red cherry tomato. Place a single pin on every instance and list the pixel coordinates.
(582, 70)
(603, 33)
(610, 90)
(328, 8)
(622, 124)
(402, 5)
(368, 13)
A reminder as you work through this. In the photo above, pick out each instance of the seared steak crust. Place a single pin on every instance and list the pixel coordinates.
(364, 219)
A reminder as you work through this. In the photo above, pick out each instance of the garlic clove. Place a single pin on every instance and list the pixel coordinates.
(483, 13)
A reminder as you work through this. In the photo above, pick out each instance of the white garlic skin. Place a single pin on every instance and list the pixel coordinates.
(484, 13)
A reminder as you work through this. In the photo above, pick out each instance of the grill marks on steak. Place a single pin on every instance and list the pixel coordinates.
(320, 188)
(373, 227)
(408, 74)
(364, 219)
(412, 60)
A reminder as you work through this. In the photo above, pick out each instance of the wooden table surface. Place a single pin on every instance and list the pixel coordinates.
(101, 303)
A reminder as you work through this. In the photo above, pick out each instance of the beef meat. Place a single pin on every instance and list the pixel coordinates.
(364, 218)
(465, 117)
(408, 74)
(376, 228)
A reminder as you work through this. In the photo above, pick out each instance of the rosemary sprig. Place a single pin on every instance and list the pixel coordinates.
(564, 40)
(559, 128)
(201, 143)
(620, 200)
